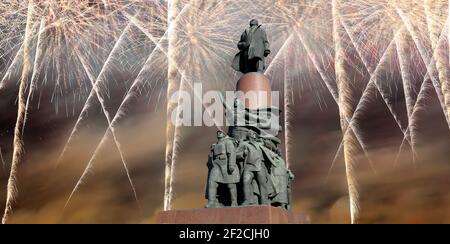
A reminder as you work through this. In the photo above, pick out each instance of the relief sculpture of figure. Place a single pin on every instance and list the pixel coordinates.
(222, 170)
(254, 47)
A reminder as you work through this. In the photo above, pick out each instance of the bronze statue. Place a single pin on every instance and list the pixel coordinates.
(255, 171)
(280, 177)
(222, 170)
(249, 163)
(254, 48)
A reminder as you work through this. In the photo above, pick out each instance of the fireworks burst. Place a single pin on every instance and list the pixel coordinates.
(71, 48)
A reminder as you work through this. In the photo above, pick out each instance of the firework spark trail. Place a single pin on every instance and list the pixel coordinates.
(172, 141)
(412, 122)
(18, 143)
(421, 96)
(173, 71)
(175, 147)
(366, 93)
(93, 94)
(402, 53)
(132, 92)
(283, 48)
(365, 96)
(345, 107)
(36, 71)
(324, 77)
(176, 130)
(177, 136)
(335, 95)
(333, 92)
(431, 69)
(359, 108)
(97, 92)
(426, 58)
(439, 52)
(279, 54)
(172, 87)
(154, 39)
(174, 8)
(370, 85)
(118, 146)
(13, 65)
(377, 85)
(288, 95)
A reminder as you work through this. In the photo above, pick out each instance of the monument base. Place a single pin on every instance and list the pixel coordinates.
(238, 215)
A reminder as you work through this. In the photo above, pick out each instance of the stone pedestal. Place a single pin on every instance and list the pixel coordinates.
(239, 215)
(257, 89)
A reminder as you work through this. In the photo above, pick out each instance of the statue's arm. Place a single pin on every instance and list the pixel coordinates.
(231, 155)
(209, 164)
(242, 45)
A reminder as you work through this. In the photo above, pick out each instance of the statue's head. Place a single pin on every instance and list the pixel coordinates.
(254, 22)
(220, 134)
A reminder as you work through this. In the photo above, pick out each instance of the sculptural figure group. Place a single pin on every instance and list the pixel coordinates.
(250, 171)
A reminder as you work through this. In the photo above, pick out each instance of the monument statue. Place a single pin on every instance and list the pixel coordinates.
(254, 48)
(246, 167)
(280, 177)
(254, 172)
(248, 180)
(222, 170)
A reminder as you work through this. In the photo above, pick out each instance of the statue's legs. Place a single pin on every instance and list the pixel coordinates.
(212, 195)
(233, 194)
(248, 188)
(262, 182)
(255, 65)
(260, 66)
(212, 190)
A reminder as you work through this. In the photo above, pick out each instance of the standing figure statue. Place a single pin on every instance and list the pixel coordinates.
(280, 177)
(222, 170)
(254, 48)
(255, 171)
